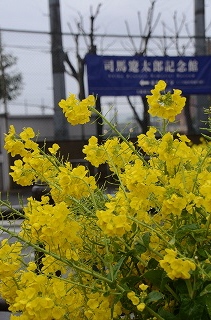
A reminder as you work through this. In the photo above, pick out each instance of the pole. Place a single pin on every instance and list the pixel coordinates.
(3, 80)
(4, 158)
(200, 47)
(60, 123)
(202, 101)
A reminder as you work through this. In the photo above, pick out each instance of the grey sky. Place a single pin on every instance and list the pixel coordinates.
(33, 14)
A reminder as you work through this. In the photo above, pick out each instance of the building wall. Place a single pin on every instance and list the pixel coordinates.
(41, 124)
(44, 125)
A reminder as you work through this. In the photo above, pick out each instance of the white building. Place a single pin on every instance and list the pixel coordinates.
(44, 125)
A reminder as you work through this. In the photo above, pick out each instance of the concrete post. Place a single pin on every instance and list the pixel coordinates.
(202, 101)
(200, 46)
(4, 157)
(60, 123)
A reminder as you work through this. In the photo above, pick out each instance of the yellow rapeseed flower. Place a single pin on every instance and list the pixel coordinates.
(95, 154)
(76, 111)
(141, 306)
(176, 268)
(166, 105)
(143, 287)
(53, 150)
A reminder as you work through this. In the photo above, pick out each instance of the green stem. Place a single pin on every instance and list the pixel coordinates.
(109, 263)
(208, 225)
(153, 313)
(199, 169)
(114, 129)
(13, 210)
(164, 126)
(116, 172)
(189, 287)
(154, 230)
(129, 249)
(63, 260)
(172, 292)
(52, 158)
(72, 198)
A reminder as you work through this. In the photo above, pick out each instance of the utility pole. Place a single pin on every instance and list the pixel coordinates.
(200, 50)
(200, 46)
(60, 123)
(4, 158)
(3, 80)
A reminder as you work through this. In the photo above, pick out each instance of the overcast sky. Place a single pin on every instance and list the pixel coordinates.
(34, 15)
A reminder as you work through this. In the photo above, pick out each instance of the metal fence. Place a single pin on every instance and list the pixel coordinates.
(33, 50)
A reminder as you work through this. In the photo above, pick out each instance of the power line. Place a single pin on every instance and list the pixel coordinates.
(100, 35)
(34, 105)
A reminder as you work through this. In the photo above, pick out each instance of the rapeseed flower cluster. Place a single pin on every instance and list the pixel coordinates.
(77, 112)
(41, 297)
(176, 268)
(142, 251)
(165, 105)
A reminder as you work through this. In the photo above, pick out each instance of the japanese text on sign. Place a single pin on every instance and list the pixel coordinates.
(122, 76)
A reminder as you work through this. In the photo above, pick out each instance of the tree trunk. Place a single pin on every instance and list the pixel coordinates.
(146, 116)
(188, 118)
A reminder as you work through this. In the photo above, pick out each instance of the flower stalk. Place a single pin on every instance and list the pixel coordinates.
(142, 249)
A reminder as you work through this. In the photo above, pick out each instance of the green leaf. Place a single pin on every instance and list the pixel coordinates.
(167, 315)
(186, 229)
(192, 308)
(154, 296)
(208, 303)
(115, 270)
(146, 239)
(207, 269)
(134, 227)
(202, 253)
(108, 258)
(130, 281)
(206, 290)
(181, 287)
(156, 277)
(152, 264)
(139, 249)
(117, 266)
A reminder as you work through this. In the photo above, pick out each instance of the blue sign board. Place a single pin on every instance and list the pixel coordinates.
(137, 75)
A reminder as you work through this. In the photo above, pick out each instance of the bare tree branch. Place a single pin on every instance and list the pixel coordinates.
(140, 23)
(149, 27)
(130, 37)
(137, 118)
(144, 39)
(208, 27)
(73, 72)
(92, 48)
